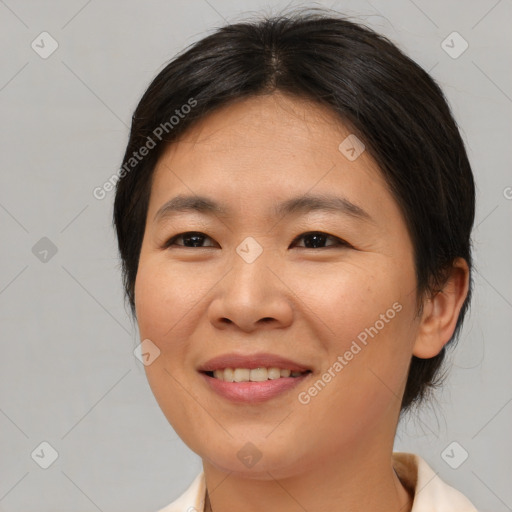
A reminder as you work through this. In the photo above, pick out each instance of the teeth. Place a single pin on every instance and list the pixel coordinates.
(219, 374)
(274, 373)
(241, 375)
(253, 375)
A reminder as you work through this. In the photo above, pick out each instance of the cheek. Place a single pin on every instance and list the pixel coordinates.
(150, 299)
(162, 308)
(347, 302)
(364, 318)
(162, 298)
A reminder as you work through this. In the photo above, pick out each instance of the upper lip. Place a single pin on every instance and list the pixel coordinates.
(251, 361)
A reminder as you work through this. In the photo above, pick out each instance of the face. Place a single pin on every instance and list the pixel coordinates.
(331, 289)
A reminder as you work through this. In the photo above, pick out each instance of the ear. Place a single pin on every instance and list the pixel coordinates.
(441, 312)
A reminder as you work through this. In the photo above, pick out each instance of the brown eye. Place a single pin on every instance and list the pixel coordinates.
(312, 240)
(190, 239)
(317, 239)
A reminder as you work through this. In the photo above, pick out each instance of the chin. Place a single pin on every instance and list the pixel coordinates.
(250, 462)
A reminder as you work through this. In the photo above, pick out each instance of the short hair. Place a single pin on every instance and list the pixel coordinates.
(385, 98)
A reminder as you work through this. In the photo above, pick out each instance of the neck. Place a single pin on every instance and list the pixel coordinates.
(349, 483)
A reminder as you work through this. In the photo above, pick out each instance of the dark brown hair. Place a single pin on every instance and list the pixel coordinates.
(387, 100)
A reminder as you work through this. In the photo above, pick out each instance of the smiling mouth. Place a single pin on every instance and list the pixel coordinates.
(253, 375)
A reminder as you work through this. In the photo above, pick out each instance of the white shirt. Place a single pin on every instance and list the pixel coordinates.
(431, 494)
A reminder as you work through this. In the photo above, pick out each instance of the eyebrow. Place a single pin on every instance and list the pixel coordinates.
(301, 204)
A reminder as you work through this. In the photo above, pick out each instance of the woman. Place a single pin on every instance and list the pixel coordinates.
(294, 214)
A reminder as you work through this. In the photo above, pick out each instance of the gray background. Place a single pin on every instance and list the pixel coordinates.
(69, 376)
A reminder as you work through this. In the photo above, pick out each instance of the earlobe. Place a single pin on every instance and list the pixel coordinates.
(441, 312)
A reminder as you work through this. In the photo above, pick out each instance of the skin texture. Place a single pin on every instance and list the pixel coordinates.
(307, 304)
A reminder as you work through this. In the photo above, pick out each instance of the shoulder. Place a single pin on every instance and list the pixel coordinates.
(431, 493)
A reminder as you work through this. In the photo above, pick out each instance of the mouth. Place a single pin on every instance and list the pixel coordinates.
(253, 385)
(252, 378)
(254, 374)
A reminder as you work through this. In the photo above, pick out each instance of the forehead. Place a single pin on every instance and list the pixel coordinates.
(276, 121)
(259, 150)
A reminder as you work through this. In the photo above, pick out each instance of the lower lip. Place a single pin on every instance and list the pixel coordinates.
(250, 392)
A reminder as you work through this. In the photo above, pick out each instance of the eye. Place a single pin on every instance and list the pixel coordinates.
(315, 240)
(194, 238)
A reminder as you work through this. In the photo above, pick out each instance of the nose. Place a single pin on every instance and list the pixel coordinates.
(251, 296)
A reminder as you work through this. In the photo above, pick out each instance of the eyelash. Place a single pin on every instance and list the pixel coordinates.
(339, 241)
